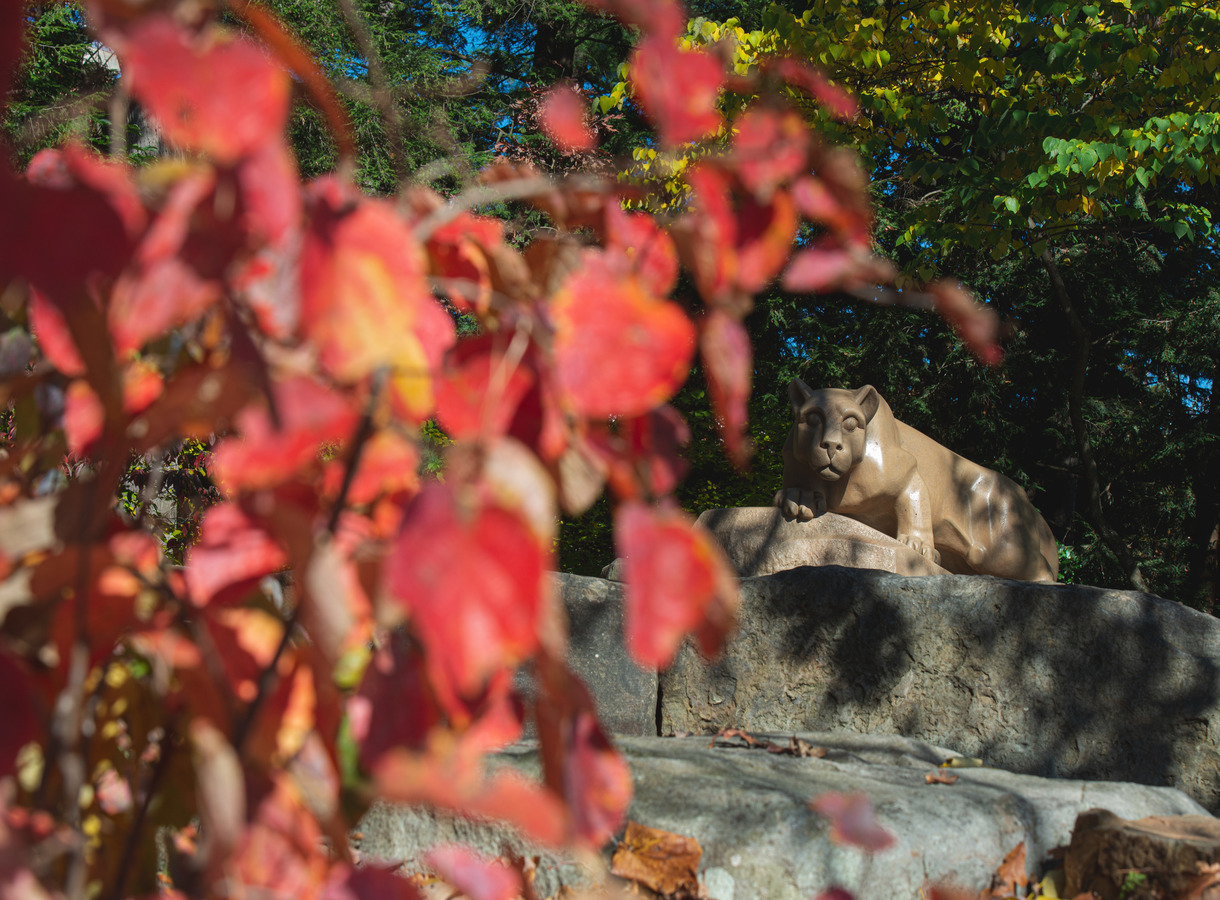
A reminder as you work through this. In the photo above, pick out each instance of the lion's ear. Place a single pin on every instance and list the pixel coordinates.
(868, 400)
(798, 394)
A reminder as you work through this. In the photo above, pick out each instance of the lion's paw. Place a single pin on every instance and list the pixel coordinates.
(801, 504)
(920, 546)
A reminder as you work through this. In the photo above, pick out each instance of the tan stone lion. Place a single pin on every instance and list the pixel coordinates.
(847, 454)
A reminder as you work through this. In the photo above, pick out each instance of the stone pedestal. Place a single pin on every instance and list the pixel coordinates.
(759, 541)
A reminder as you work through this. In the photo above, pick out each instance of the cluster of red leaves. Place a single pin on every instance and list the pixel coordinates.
(307, 332)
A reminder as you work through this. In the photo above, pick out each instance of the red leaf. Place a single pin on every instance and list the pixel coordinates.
(216, 93)
(676, 581)
(678, 89)
(643, 247)
(801, 75)
(644, 451)
(851, 821)
(84, 418)
(619, 350)
(149, 304)
(309, 415)
(579, 762)
(481, 388)
(232, 555)
(473, 875)
(21, 718)
(365, 303)
(977, 325)
(393, 707)
(820, 268)
(12, 40)
(471, 579)
(270, 193)
(54, 339)
(564, 117)
(366, 883)
(770, 147)
(728, 365)
(836, 893)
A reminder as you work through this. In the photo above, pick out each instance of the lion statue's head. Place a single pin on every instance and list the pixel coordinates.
(831, 424)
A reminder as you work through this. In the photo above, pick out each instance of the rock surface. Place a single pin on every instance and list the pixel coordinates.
(626, 695)
(759, 541)
(1051, 680)
(747, 808)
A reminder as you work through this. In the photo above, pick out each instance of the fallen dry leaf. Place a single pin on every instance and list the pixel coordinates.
(659, 860)
(1011, 874)
(938, 778)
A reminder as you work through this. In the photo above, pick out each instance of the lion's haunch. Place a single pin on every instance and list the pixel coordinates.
(847, 454)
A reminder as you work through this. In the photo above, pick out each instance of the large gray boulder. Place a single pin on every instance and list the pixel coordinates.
(748, 810)
(1051, 680)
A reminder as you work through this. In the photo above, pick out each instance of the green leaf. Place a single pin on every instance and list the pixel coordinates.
(1141, 175)
(1011, 204)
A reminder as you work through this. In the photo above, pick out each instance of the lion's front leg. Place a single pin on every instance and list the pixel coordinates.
(800, 503)
(915, 519)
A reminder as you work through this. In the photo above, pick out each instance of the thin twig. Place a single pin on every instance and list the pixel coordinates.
(483, 194)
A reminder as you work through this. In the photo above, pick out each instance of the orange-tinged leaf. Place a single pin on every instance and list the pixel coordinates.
(455, 782)
(618, 350)
(678, 89)
(676, 581)
(308, 415)
(365, 302)
(765, 232)
(475, 876)
(564, 117)
(471, 581)
(729, 367)
(852, 821)
(246, 641)
(389, 464)
(233, 553)
(662, 861)
(216, 92)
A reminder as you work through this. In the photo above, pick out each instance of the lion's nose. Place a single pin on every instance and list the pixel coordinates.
(832, 446)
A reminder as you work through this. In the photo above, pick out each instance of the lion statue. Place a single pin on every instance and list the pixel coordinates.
(847, 454)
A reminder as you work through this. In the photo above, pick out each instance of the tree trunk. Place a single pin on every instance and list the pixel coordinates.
(1091, 483)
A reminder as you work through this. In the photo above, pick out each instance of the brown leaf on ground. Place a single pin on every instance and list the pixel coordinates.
(659, 860)
(938, 778)
(796, 747)
(1010, 875)
(725, 734)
